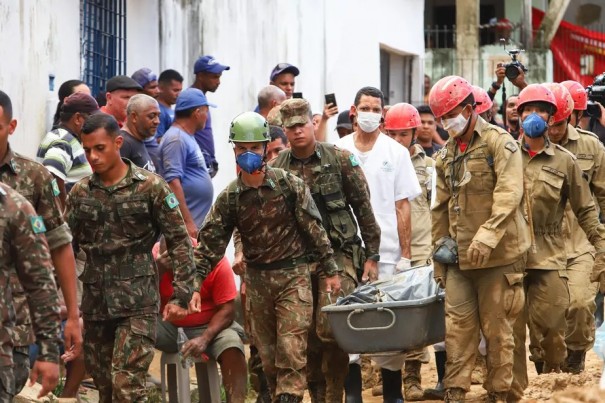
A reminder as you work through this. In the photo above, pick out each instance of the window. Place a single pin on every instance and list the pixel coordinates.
(103, 39)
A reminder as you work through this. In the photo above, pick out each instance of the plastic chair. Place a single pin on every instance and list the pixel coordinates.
(208, 379)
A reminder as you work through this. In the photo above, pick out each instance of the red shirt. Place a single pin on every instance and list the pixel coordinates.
(218, 288)
(104, 110)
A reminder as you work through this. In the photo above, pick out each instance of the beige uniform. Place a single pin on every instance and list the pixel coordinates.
(420, 206)
(590, 156)
(480, 197)
(553, 178)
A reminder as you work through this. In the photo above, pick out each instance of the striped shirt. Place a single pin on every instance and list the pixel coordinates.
(62, 154)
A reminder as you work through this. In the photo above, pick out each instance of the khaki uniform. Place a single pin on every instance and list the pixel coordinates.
(116, 227)
(590, 156)
(553, 178)
(281, 235)
(24, 251)
(421, 211)
(339, 189)
(488, 207)
(33, 181)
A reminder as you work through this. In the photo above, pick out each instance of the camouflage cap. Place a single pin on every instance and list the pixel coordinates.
(274, 117)
(295, 111)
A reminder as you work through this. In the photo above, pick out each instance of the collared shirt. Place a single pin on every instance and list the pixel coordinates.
(553, 178)
(38, 186)
(479, 196)
(351, 184)
(61, 152)
(271, 228)
(24, 254)
(117, 226)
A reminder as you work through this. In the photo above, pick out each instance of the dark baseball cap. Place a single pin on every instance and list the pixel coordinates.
(208, 64)
(344, 120)
(191, 98)
(144, 76)
(80, 102)
(122, 83)
(284, 68)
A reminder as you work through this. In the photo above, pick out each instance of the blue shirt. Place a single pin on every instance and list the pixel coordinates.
(166, 118)
(181, 158)
(205, 140)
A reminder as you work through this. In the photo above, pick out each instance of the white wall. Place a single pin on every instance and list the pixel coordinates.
(38, 38)
(142, 35)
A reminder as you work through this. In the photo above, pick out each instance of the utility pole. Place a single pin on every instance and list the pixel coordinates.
(467, 39)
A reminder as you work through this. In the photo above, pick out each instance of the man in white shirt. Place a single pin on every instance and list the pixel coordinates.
(393, 183)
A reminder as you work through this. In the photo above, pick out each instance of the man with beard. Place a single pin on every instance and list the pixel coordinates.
(142, 120)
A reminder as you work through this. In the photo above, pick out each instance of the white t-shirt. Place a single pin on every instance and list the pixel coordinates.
(391, 177)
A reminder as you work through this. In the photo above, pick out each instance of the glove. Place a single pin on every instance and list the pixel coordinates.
(478, 253)
(403, 264)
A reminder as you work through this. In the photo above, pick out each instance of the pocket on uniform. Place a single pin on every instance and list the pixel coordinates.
(88, 214)
(305, 295)
(92, 297)
(332, 196)
(134, 288)
(514, 297)
(135, 217)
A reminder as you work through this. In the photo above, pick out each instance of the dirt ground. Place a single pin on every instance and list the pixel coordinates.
(559, 388)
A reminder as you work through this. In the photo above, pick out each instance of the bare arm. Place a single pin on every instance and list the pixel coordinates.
(220, 321)
(177, 189)
(322, 131)
(404, 227)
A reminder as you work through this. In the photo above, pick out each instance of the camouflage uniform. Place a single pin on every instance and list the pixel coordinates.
(279, 226)
(487, 208)
(553, 178)
(339, 189)
(590, 156)
(116, 227)
(37, 185)
(25, 252)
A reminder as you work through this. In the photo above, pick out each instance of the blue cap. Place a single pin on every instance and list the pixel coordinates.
(144, 76)
(281, 68)
(208, 64)
(191, 98)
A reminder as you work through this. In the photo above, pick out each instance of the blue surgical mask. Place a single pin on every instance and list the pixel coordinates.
(249, 162)
(534, 126)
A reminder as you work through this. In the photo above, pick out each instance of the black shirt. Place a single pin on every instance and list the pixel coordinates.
(135, 151)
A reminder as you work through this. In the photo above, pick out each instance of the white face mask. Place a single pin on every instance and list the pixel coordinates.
(455, 126)
(368, 121)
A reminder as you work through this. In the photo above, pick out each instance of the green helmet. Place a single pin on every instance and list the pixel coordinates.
(249, 127)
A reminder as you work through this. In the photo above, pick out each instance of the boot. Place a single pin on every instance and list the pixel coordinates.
(317, 391)
(288, 398)
(480, 370)
(438, 392)
(539, 367)
(455, 395)
(497, 397)
(353, 384)
(391, 385)
(412, 382)
(550, 368)
(264, 394)
(574, 363)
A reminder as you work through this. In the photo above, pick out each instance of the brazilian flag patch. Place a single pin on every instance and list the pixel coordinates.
(55, 187)
(171, 201)
(37, 224)
(353, 159)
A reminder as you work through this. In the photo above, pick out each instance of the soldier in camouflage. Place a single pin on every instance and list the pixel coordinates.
(116, 215)
(24, 251)
(339, 189)
(282, 236)
(38, 186)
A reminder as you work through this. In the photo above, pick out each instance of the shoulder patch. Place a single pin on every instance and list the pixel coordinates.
(55, 188)
(354, 160)
(511, 146)
(37, 224)
(171, 201)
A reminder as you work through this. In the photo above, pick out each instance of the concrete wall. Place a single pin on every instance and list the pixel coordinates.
(335, 43)
(38, 38)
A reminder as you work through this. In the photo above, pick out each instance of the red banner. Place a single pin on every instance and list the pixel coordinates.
(572, 47)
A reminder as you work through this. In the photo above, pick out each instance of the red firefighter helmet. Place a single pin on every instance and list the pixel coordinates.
(448, 93)
(578, 93)
(482, 100)
(401, 116)
(563, 99)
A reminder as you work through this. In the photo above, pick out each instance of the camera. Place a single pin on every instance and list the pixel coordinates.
(512, 69)
(596, 94)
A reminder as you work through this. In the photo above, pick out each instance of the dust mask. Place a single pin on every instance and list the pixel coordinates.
(455, 126)
(368, 121)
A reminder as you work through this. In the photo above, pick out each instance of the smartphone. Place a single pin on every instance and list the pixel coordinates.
(331, 99)
(297, 95)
